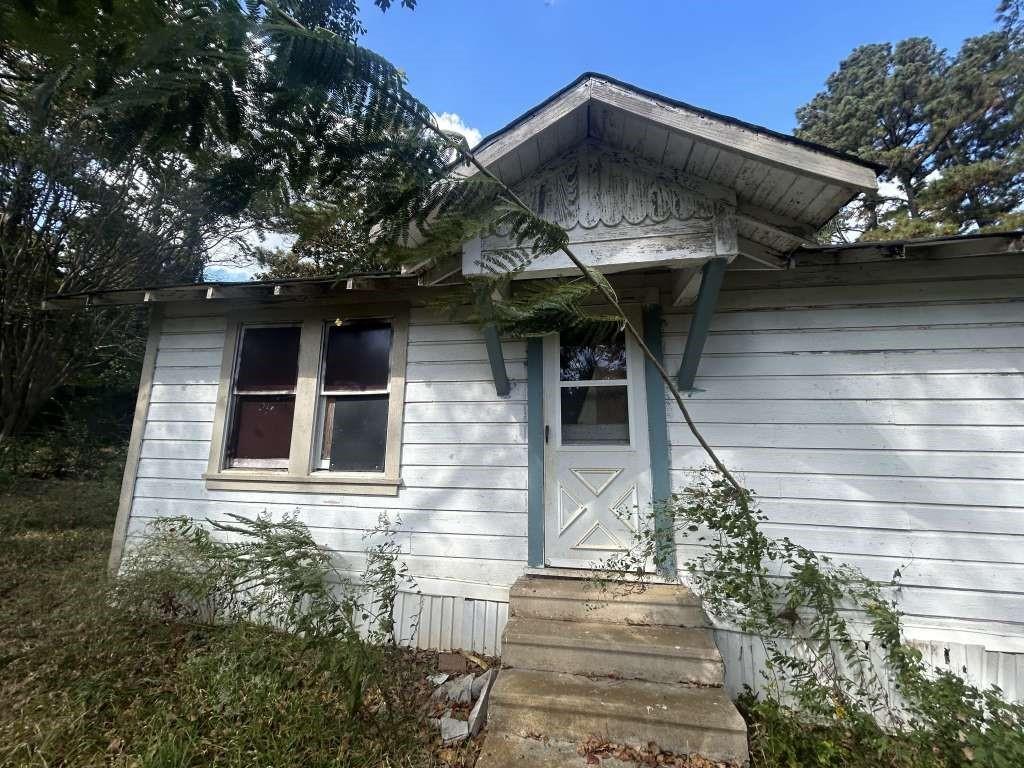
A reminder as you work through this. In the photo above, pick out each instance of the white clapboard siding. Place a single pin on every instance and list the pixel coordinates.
(450, 391)
(461, 372)
(857, 363)
(896, 437)
(827, 386)
(458, 352)
(877, 410)
(930, 412)
(851, 340)
(460, 513)
(172, 374)
(465, 455)
(915, 517)
(326, 516)
(473, 413)
(826, 318)
(919, 463)
(465, 433)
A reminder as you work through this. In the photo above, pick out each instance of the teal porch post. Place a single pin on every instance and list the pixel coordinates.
(657, 430)
(535, 452)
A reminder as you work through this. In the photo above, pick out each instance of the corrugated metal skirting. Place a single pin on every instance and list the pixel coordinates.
(443, 622)
(744, 658)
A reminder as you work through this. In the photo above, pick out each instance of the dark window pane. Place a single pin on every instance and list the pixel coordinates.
(587, 361)
(358, 356)
(269, 359)
(262, 427)
(359, 433)
(595, 416)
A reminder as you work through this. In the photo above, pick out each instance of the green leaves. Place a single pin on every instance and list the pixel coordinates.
(949, 129)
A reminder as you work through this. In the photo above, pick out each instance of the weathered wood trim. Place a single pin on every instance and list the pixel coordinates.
(535, 436)
(300, 452)
(761, 254)
(131, 464)
(657, 432)
(337, 482)
(726, 243)
(220, 413)
(710, 285)
(735, 138)
(576, 98)
(301, 475)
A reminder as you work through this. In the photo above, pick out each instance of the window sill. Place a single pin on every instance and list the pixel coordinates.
(318, 482)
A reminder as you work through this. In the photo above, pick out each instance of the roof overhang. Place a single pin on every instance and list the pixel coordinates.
(950, 246)
(785, 188)
(354, 286)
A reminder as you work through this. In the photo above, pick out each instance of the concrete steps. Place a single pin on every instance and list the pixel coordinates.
(678, 718)
(540, 597)
(631, 668)
(655, 653)
(504, 750)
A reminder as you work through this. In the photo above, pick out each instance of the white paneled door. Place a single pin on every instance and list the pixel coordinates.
(597, 472)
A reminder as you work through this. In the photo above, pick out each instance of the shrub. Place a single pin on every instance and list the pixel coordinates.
(261, 572)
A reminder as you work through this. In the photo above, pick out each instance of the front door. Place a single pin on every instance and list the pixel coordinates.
(597, 456)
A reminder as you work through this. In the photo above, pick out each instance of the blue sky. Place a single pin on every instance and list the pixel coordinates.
(488, 61)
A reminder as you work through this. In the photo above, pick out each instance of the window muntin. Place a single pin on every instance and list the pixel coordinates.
(263, 397)
(354, 395)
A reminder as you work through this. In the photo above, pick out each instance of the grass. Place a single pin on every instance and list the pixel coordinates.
(82, 685)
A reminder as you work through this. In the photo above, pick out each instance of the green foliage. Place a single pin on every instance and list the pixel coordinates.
(832, 641)
(948, 128)
(83, 684)
(140, 136)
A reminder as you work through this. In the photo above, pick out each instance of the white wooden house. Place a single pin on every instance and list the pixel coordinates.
(872, 395)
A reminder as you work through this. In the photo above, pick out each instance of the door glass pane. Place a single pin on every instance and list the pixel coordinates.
(595, 416)
(262, 427)
(269, 359)
(583, 360)
(358, 356)
(358, 432)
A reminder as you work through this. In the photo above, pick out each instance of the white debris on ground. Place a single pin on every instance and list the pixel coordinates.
(463, 704)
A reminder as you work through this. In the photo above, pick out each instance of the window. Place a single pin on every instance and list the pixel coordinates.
(311, 400)
(354, 395)
(263, 397)
(593, 393)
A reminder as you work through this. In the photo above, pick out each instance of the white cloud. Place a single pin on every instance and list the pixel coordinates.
(451, 121)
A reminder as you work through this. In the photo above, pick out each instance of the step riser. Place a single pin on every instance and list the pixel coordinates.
(525, 720)
(619, 612)
(594, 662)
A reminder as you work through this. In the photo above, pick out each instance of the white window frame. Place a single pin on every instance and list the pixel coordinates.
(270, 464)
(304, 473)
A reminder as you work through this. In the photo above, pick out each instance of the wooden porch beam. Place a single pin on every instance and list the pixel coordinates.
(761, 254)
(492, 341)
(707, 299)
(687, 285)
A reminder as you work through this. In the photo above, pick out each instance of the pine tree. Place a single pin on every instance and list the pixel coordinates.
(949, 130)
